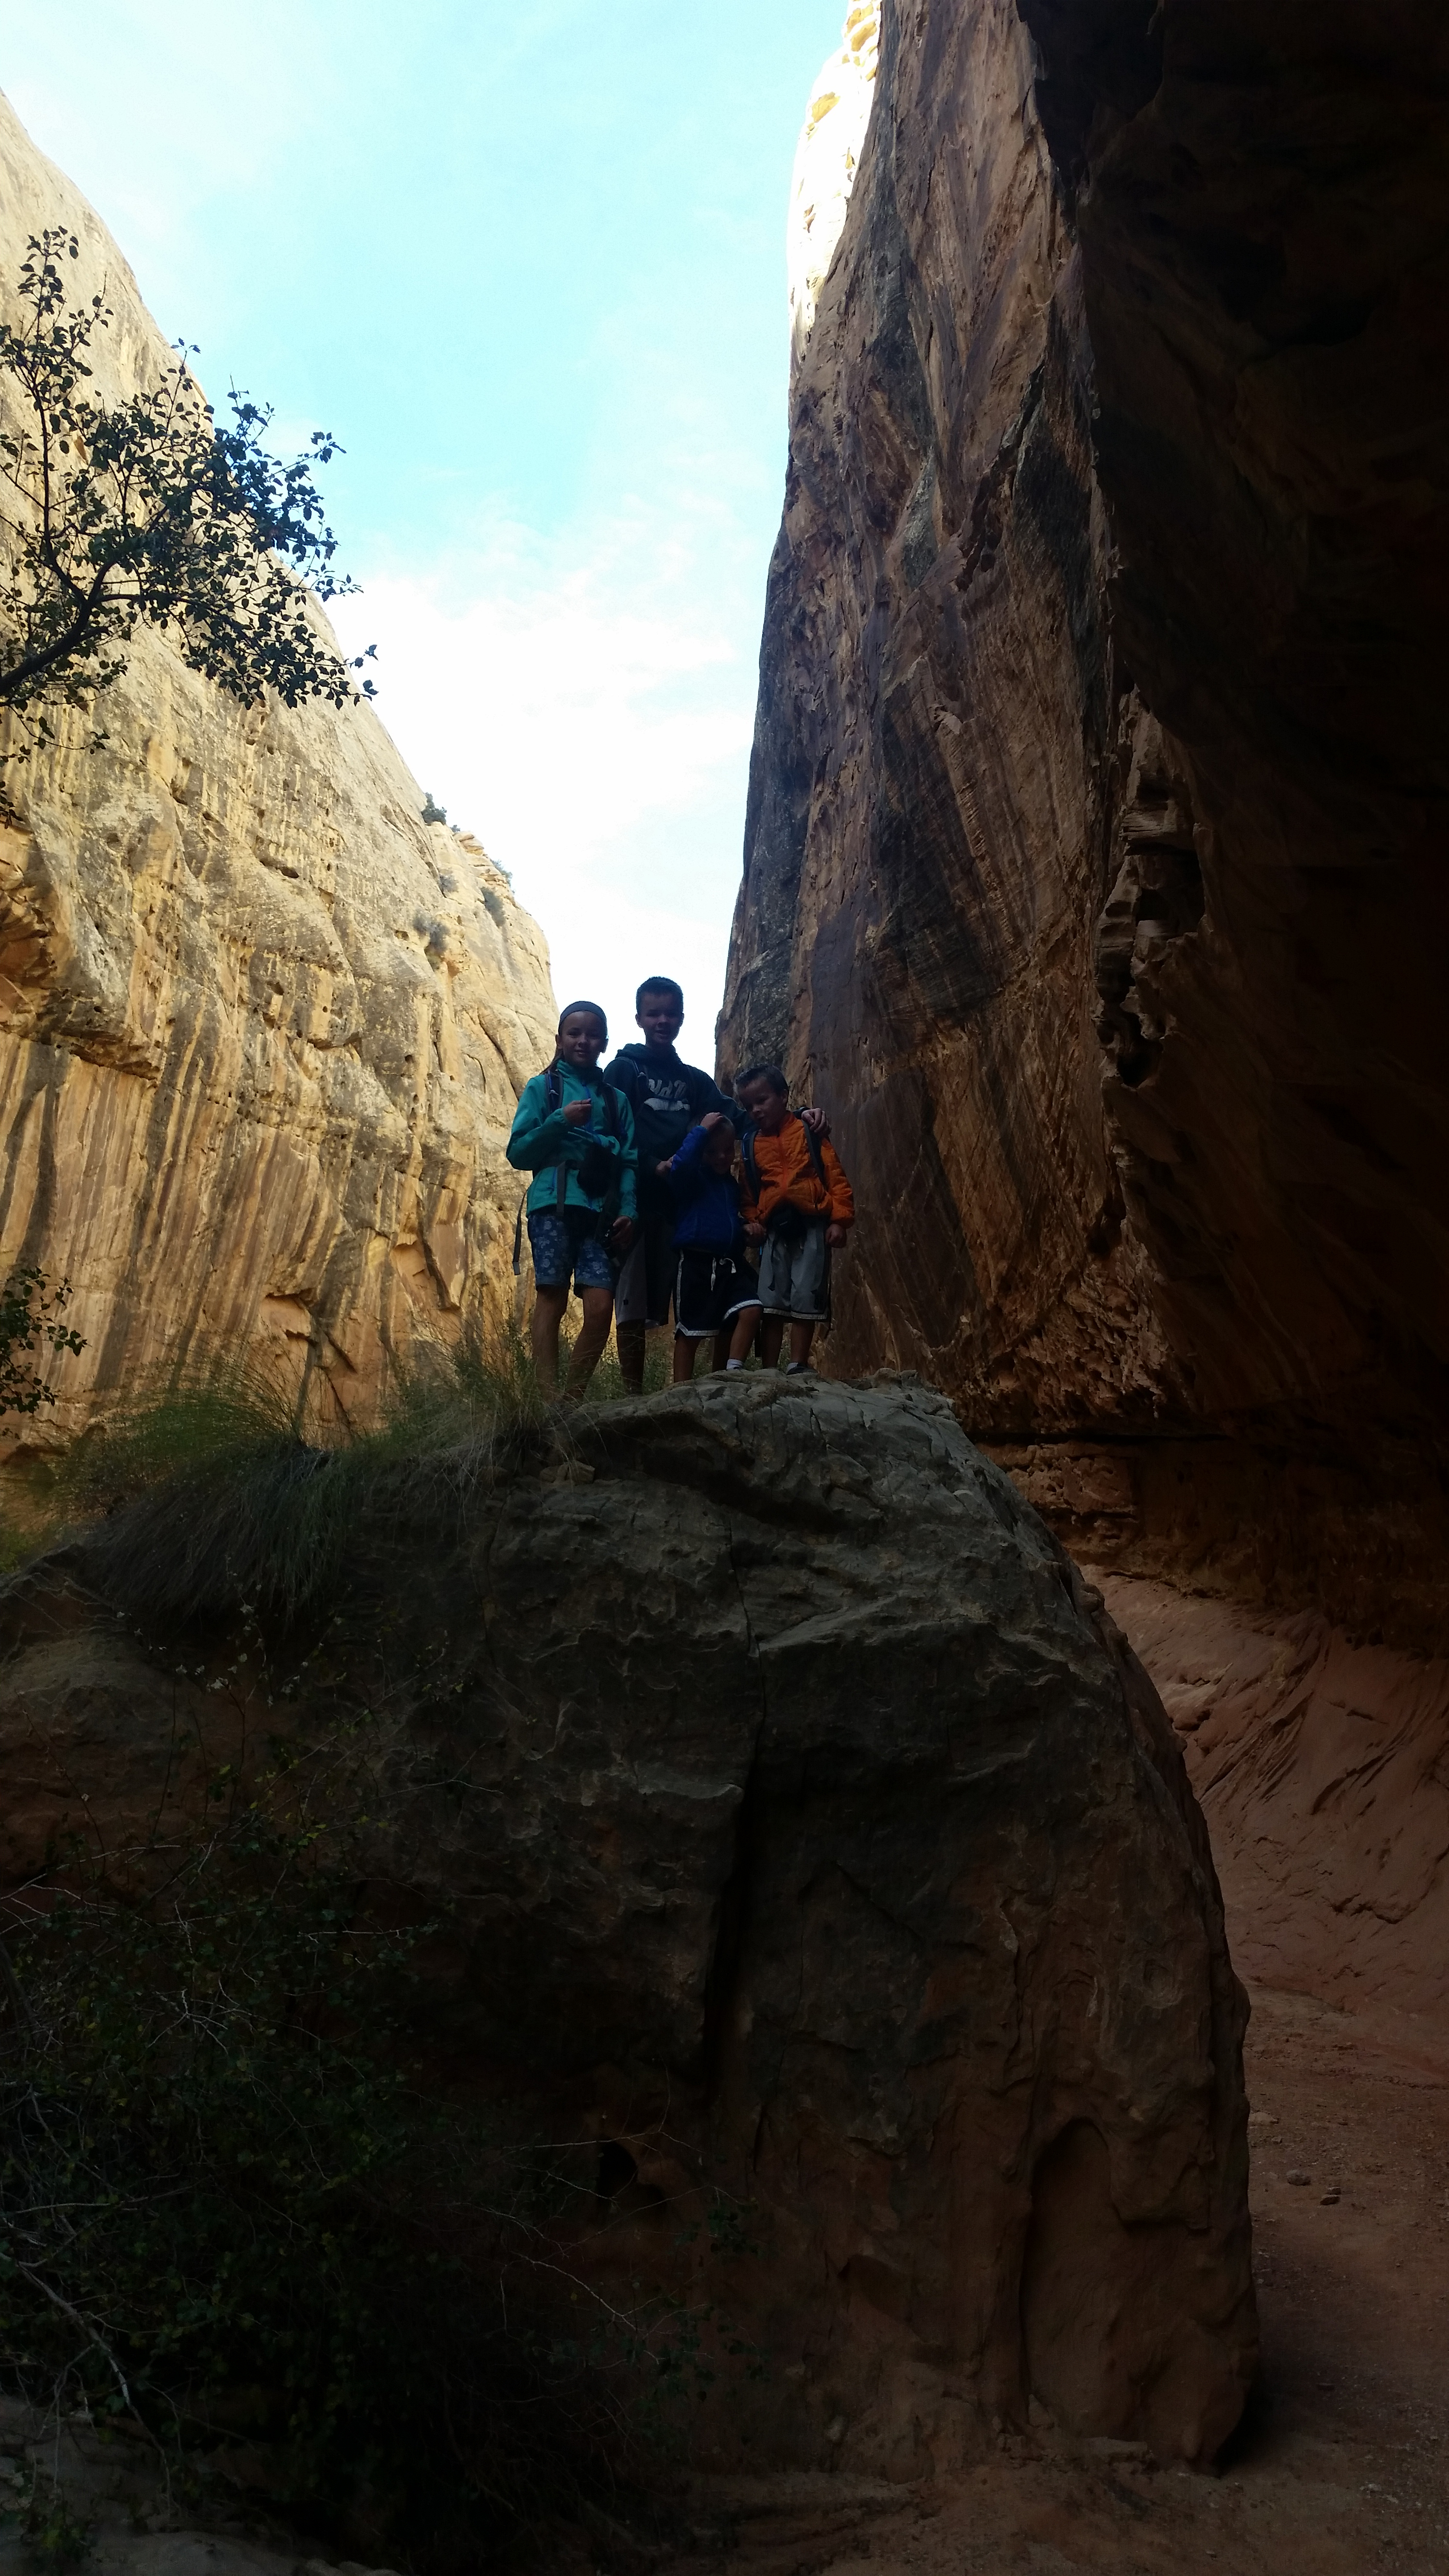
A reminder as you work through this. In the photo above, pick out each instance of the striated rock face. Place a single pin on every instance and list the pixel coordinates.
(1092, 861)
(826, 162)
(262, 1030)
(811, 1838)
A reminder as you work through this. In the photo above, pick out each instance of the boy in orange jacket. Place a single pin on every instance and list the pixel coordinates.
(798, 1204)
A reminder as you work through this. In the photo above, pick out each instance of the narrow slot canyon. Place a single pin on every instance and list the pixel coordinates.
(813, 1970)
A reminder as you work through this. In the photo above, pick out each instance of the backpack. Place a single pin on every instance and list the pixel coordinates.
(599, 1170)
(785, 1220)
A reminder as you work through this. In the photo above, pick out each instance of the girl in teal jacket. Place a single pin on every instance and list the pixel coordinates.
(576, 1135)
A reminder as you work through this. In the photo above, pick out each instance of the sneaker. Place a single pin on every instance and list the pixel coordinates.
(800, 1368)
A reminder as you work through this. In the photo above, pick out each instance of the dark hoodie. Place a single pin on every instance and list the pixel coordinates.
(667, 1098)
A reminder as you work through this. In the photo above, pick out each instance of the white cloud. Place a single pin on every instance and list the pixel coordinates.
(579, 703)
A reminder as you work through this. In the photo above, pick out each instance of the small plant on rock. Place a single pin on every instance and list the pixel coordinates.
(30, 1312)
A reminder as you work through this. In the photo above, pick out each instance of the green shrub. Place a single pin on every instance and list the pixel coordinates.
(230, 2214)
(30, 1311)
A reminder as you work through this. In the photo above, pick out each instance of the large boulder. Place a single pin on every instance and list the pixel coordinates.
(813, 1843)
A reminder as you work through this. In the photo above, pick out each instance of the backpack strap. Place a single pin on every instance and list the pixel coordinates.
(747, 1157)
(699, 1091)
(812, 1147)
(553, 1095)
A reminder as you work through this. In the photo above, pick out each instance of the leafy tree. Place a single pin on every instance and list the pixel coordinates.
(30, 1320)
(146, 510)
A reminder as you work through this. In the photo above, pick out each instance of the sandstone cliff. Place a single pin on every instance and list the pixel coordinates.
(262, 1030)
(1092, 864)
(796, 1827)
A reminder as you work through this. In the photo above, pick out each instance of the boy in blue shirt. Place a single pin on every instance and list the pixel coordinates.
(715, 1290)
(576, 1135)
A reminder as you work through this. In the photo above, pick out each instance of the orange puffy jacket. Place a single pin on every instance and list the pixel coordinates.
(785, 1170)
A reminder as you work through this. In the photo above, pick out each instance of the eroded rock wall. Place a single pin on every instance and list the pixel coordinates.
(262, 1029)
(1092, 869)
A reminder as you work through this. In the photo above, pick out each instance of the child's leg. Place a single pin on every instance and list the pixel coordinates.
(685, 1347)
(630, 1339)
(598, 1306)
(810, 1289)
(742, 1340)
(721, 1350)
(772, 1334)
(548, 1314)
(630, 1309)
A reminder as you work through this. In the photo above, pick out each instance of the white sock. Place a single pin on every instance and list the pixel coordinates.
(733, 1364)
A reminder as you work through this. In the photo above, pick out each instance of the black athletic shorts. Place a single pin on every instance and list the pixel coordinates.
(709, 1290)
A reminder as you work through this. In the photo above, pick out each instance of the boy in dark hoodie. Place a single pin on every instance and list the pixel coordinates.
(667, 1098)
(715, 1290)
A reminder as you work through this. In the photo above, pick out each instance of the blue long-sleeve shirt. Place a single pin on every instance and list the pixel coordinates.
(707, 1204)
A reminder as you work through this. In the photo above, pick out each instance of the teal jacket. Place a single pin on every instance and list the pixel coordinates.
(544, 1143)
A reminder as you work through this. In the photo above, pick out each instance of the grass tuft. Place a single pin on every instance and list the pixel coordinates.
(216, 1489)
(211, 1494)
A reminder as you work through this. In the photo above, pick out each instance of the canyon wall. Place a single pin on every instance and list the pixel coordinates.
(262, 1029)
(1092, 858)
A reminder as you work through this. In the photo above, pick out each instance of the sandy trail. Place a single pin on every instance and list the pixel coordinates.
(1342, 2465)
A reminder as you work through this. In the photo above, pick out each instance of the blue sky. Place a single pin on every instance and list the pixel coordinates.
(528, 263)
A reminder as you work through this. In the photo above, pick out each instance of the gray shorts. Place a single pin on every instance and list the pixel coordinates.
(795, 1277)
(646, 1281)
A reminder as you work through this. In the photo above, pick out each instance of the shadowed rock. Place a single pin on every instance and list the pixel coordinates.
(1093, 873)
(812, 1840)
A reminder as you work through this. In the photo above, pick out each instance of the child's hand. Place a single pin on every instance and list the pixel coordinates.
(837, 1236)
(664, 1169)
(621, 1233)
(754, 1232)
(578, 1112)
(711, 1118)
(816, 1121)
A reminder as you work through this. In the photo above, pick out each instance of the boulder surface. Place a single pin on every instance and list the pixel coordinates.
(813, 1843)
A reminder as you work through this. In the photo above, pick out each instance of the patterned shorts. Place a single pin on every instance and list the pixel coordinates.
(569, 1241)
